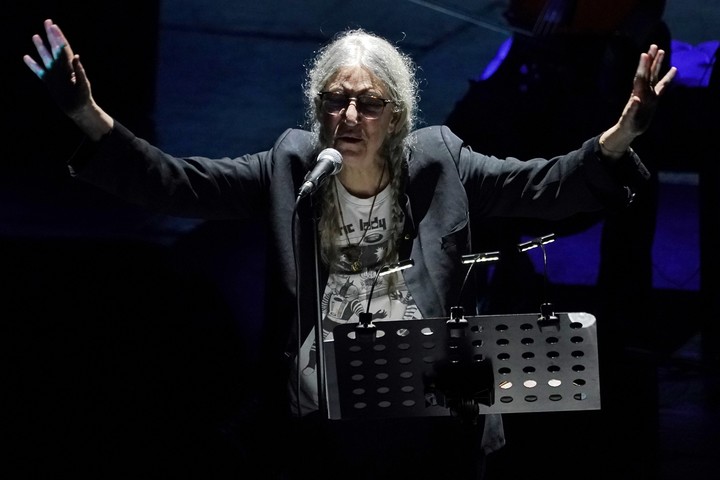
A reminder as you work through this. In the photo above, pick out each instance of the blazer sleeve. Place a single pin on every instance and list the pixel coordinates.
(195, 187)
(582, 180)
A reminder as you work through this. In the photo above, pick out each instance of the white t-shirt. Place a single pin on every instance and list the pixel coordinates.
(350, 281)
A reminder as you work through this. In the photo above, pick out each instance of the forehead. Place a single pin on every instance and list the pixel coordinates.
(355, 79)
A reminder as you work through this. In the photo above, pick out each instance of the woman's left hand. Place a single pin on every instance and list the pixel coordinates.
(647, 89)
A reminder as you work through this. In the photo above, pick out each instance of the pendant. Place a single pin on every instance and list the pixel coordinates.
(353, 254)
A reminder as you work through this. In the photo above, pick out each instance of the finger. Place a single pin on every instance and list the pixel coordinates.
(653, 50)
(656, 67)
(665, 81)
(652, 54)
(58, 42)
(641, 79)
(32, 64)
(48, 31)
(42, 51)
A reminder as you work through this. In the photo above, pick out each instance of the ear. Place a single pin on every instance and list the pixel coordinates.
(393, 122)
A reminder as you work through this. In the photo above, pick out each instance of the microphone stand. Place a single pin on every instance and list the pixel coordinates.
(319, 347)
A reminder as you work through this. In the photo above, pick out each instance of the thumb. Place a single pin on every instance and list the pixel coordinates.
(80, 75)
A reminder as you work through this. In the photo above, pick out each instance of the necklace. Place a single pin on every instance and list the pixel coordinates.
(353, 251)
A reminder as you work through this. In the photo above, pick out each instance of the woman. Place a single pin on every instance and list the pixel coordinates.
(399, 194)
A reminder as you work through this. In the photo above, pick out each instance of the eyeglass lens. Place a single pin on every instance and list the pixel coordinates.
(369, 106)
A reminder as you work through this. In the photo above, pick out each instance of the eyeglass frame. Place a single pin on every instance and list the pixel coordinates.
(358, 104)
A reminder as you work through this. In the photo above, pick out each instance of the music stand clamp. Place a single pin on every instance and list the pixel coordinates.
(365, 329)
(457, 324)
(547, 318)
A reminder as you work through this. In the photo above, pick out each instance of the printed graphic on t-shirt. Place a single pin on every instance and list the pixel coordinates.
(348, 289)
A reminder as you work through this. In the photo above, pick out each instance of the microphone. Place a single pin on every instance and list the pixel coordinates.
(329, 162)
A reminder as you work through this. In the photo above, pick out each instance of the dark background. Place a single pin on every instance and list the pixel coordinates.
(127, 333)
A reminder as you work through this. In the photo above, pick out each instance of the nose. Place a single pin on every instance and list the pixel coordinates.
(351, 113)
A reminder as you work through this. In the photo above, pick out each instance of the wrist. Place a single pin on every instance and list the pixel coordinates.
(609, 152)
(93, 121)
(615, 143)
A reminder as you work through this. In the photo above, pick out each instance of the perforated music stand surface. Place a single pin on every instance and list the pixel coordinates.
(532, 368)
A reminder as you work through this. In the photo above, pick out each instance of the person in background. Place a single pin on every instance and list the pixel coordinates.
(399, 193)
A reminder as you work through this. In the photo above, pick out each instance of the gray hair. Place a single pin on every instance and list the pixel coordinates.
(387, 63)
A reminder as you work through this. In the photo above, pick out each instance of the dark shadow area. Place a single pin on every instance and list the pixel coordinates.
(124, 361)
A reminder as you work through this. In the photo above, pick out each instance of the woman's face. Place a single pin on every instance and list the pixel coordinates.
(355, 136)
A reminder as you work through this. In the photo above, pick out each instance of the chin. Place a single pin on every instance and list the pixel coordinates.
(347, 151)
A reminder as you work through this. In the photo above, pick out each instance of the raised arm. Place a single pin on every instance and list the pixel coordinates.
(63, 74)
(640, 108)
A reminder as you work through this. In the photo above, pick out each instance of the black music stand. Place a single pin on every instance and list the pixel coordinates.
(467, 366)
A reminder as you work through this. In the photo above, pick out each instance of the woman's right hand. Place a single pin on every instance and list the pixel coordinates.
(63, 74)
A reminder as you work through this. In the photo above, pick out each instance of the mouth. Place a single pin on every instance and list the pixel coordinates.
(348, 139)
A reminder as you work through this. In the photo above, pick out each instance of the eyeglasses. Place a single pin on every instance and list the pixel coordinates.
(369, 106)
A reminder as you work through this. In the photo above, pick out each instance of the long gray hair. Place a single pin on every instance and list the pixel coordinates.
(396, 70)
